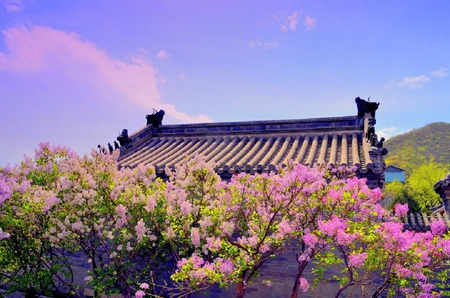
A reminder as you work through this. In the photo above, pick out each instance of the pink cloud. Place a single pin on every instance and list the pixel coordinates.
(290, 22)
(293, 20)
(162, 55)
(13, 5)
(182, 76)
(65, 55)
(310, 23)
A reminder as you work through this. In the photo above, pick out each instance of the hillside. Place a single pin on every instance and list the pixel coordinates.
(409, 150)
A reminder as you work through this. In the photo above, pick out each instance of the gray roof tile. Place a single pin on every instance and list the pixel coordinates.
(255, 146)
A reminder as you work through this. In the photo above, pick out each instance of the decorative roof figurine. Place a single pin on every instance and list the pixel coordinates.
(110, 148)
(366, 107)
(155, 119)
(123, 139)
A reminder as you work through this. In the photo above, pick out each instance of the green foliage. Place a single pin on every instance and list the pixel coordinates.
(414, 148)
(421, 183)
(399, 193)
(418, 191)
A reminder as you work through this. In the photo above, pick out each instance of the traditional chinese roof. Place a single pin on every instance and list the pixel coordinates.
(442, 185)
(421, 221)
(256, 146)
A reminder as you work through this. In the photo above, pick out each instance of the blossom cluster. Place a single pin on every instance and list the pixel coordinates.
(144, 236)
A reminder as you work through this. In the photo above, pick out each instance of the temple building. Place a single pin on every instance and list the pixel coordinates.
(259, 146)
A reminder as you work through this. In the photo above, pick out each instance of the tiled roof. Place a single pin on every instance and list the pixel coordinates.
(442, 184)
(421, 221)
(256, 146)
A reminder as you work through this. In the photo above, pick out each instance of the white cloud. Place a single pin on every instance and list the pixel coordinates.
(52, 53)
(310, 23)
(414, 82)
(440, 73)
(417, 81)
(388, 132)
(265, 45)
(162, 55)
(13, 5)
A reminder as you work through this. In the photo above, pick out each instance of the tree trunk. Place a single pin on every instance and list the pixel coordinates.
(296, 288)
(240, 291)
(294, 293)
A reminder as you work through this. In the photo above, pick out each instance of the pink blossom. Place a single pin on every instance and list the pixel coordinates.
(445, 244)
(213, 243)
(121, 212)
(310, 239)
(304, 285)
(284, 227)
(139, 294)
(23, 187)
(199, 274)
(197, 261)
(3, 235)
(438, 227)
(226, 266)
(195, 237)
(144, 286)
(426, 287)
(49, 200)
(5, 191)
(426, 295)
(76, 226)
(305, 256)
(379, 210)
(253, 241)
(141, 229)
(402, 271)
(401, 210)
(332, 226)
(151, 204)
(344, 238)
(182, 263)
(186, 208)
(357, 260)
(335, 194)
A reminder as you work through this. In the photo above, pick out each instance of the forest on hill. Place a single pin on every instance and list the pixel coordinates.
(420, 146)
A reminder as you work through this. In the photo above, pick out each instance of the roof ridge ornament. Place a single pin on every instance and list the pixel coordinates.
(155, 119)
(366, 106)
(124, 140)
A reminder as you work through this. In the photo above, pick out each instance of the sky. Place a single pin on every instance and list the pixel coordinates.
(75, 73)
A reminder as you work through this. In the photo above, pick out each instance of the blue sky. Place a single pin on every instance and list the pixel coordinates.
(75, 73)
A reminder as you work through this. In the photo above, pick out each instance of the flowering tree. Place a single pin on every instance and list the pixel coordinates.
(251, 226)
(60, 203)
(148, 237)
(366, 247)
(27, 261)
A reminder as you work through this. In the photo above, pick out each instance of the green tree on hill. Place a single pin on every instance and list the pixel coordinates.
(399, 193)
(421, 182)
(419, 146)
(418, 191)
